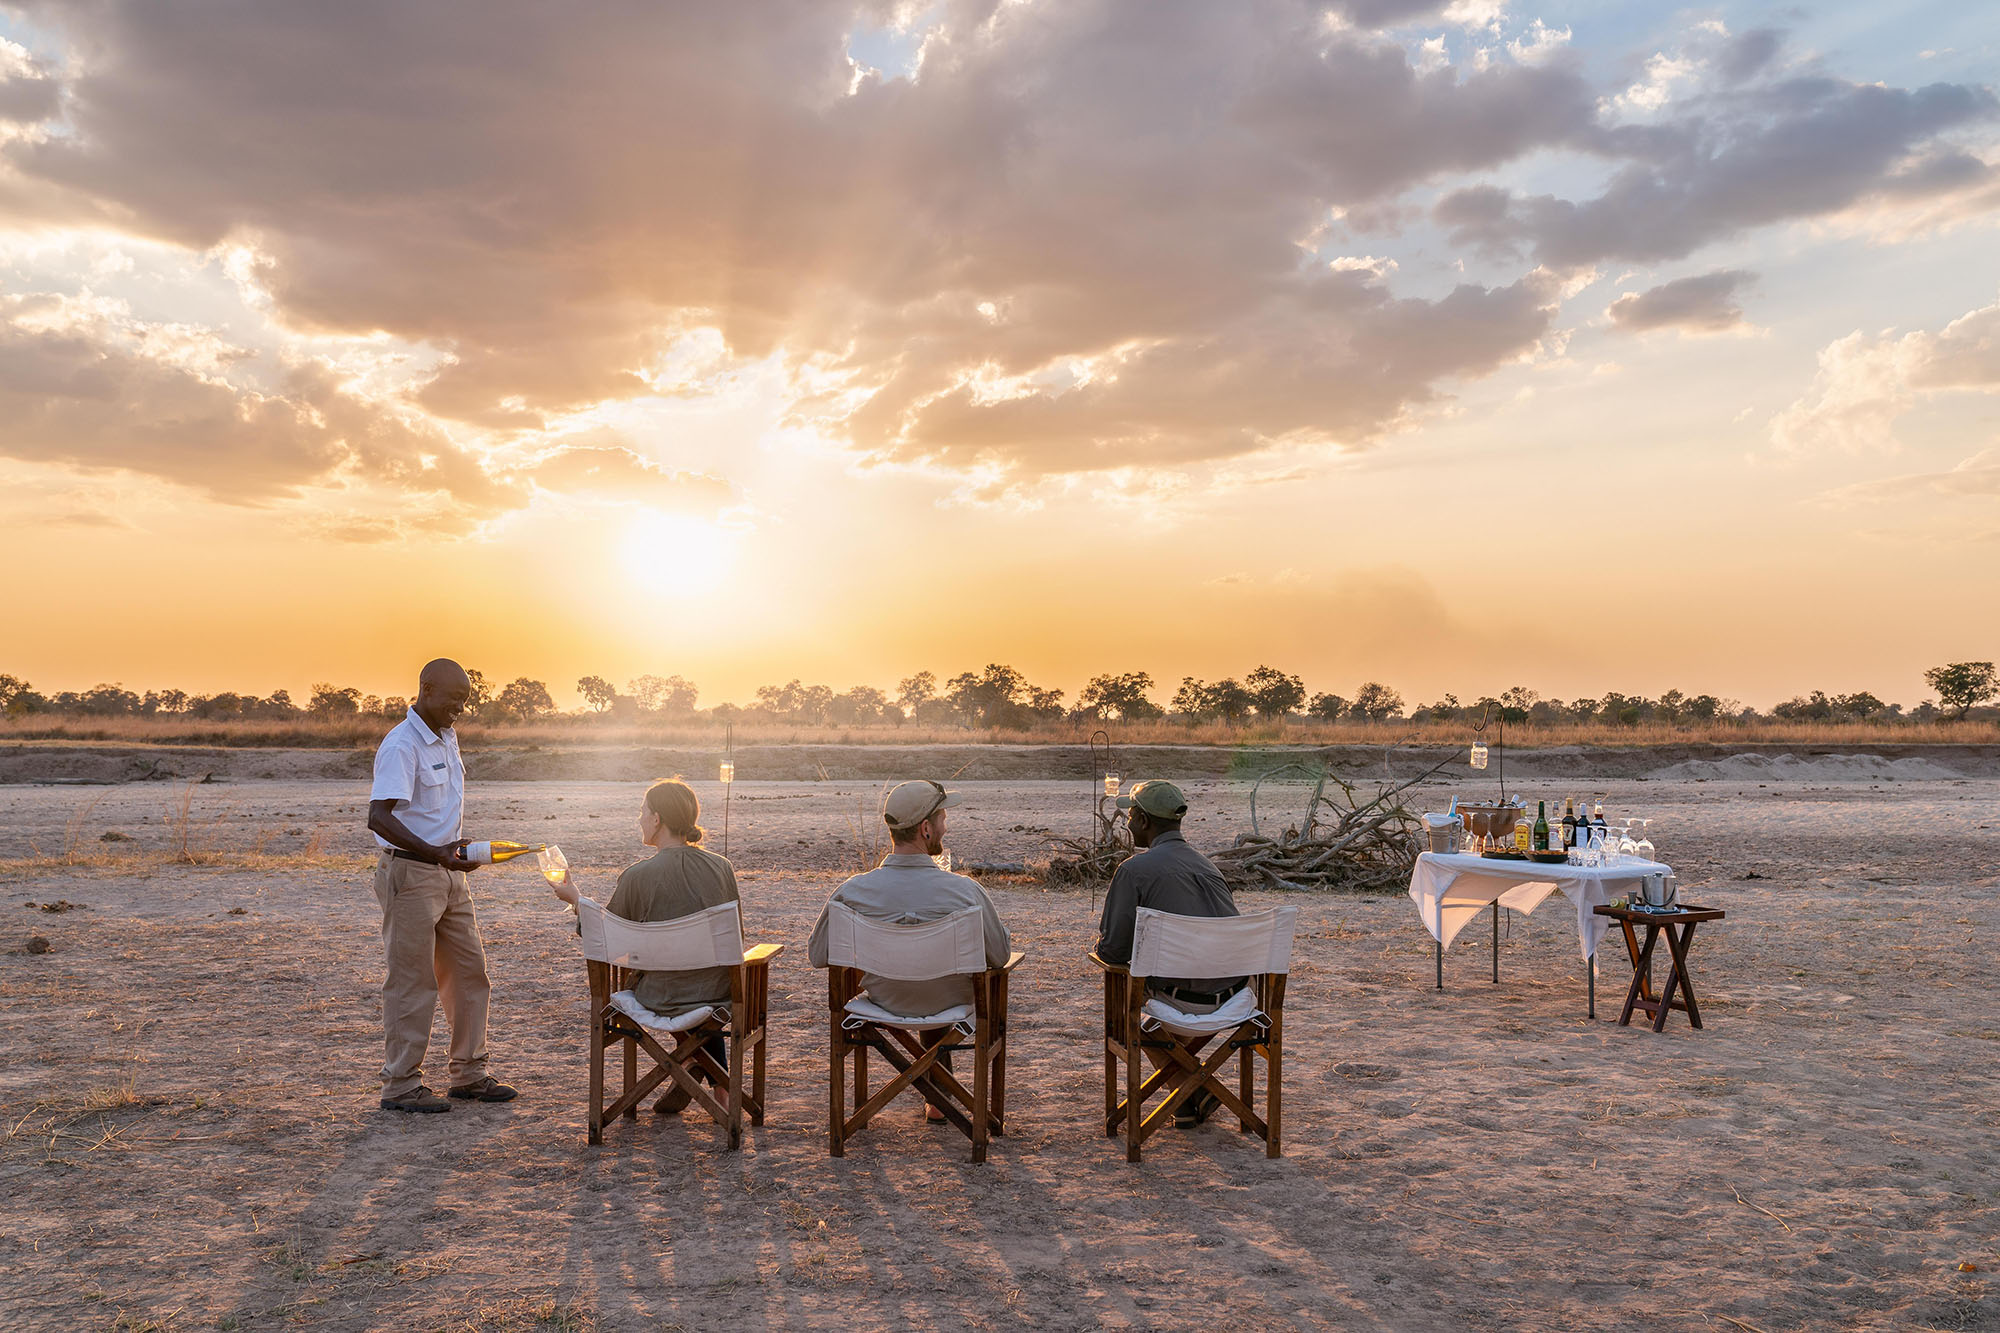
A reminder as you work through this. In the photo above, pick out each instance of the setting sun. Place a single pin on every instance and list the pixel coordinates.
(678, 548)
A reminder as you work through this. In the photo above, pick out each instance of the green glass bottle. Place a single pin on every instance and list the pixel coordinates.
(1540, 837)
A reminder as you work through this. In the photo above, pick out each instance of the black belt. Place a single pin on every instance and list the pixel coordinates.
(1190, 996)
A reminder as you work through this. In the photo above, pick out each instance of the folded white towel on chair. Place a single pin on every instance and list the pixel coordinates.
(1238, 1009)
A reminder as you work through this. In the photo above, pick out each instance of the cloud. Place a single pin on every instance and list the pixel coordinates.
(1069, 241)
(1702, 304)
(1863, 384)
(612, 472)
(1738, 159)
(554, 202)
(1977, 477)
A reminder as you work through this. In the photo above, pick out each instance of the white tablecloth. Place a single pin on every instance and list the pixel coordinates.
(1451, 889)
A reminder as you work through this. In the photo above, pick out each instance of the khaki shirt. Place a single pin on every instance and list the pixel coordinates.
(672, 883)
(908, 888)
(1169, 876)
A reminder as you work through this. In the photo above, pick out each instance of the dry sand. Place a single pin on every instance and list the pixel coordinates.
(187, 1079)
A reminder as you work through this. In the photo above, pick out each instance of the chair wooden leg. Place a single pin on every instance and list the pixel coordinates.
(981, 1085)
(1274, 1093)
(596, 1122)
(1133, 1105)
(631, 1075)
(1246, 1080)
(736, 1082)
(860, 1075)
(836, 1090)
(757, 1072)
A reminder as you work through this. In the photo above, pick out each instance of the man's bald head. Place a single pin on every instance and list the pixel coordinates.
(443, 690)
(442, 671)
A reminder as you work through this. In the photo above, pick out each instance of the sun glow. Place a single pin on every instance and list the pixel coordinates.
(676, 548)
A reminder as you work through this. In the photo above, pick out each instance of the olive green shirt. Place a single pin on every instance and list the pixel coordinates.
(672, 883)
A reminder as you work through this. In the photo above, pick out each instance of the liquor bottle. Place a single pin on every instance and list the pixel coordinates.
(1597, 817)
(1523, 835)
(1540, 834)
(489, 853)
(1569, 823)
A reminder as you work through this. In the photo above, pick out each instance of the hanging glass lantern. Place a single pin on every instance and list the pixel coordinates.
(1479, 755)
(728, 771)
(1111, 785)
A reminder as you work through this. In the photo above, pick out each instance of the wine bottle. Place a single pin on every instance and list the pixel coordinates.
(489, 853)
(1597, 817)
(1540, 835)
(1569, 823)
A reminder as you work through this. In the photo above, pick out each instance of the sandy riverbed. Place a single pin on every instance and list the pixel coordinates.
(187, 1082)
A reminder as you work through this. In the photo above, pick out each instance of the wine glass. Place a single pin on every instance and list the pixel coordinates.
(555, 866)
(1644, 846)
(1627, 848)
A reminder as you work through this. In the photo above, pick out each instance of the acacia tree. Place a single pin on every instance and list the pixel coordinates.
(1120, 697)
(331, 701)
(525, 699)
(597, 692)
(1376, 702)
(1273, 693)
(664, 694)
(1963, 685)
(1327, 707)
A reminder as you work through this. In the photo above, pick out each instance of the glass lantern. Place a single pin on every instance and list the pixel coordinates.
(728, 771)
(1479, 756)
(1111, 786)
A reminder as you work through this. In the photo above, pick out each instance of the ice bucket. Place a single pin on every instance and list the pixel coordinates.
(1660, 891)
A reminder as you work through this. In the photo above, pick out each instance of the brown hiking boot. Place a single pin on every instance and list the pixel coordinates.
(487, 1089)
(417, 1099)
(673, 1101)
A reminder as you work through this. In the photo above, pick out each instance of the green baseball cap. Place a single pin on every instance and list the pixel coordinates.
(1163, 800)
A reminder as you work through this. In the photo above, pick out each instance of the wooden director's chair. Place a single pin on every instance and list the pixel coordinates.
(615, 948)
(1250, 1023)
(950, 946)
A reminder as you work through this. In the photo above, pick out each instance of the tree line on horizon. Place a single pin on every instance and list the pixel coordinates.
(1002, 697)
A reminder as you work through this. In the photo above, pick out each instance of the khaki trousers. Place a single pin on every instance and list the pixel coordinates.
(431, 939)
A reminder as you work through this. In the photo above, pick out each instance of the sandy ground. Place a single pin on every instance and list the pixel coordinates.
(187, 1080)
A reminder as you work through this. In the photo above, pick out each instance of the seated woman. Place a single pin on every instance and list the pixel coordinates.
(678, 880)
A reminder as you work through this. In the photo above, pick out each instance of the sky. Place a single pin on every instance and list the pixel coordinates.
(1462, 345)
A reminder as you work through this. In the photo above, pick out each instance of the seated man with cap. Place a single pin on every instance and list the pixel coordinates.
(1166, 875)
(909, 888)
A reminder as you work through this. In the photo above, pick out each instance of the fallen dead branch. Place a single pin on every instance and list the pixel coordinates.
(1345, 842)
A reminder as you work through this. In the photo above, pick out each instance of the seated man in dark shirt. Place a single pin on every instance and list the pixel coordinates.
(1166, 875)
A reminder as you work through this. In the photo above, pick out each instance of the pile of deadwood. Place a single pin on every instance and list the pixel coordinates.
(1346, 840)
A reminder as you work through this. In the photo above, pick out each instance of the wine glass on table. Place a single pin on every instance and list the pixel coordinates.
(1643, 846)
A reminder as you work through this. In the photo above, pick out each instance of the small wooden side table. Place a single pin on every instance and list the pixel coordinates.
(1678, 926)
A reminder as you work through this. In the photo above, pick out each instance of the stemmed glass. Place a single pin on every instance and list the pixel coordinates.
(1643, 848)
(555, 866)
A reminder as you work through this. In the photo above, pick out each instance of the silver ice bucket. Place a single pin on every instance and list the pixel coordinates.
(1661, 892)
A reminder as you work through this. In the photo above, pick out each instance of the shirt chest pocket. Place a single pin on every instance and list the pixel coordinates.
(431, 781)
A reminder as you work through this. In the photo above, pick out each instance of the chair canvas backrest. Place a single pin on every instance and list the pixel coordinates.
(1255, 944)
(712, 937)
(919, 951)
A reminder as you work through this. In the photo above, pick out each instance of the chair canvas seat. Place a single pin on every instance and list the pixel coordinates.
(628, 1004)
(863, 1007)
(1233, 1013)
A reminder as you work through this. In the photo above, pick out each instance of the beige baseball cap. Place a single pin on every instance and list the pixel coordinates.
(1162, 799)
(909, 804)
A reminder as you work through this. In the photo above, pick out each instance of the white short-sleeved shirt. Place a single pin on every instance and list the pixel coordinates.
(420, 770)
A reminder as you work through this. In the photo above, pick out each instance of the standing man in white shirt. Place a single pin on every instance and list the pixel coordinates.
(429, 931)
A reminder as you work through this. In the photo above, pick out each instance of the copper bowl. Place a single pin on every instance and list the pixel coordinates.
(1494, 820)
